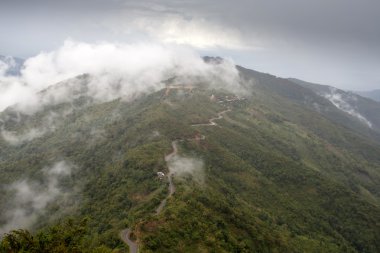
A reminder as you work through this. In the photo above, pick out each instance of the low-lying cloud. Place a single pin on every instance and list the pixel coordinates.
(46, 124)
(30, 198)
(16, 139)
(340, 102)
(114, 70)
(187, 166)
(9, 65)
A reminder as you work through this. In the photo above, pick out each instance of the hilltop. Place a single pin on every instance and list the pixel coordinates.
(275, 166)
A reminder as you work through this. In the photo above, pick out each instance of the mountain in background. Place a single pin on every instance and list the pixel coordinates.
(363, 109)
(373, 94)
(280, 165)
(13, 64)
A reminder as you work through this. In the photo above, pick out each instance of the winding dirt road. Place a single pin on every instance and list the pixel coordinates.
(212, 120)
(168, 158)
(126, 237)
(126, 233)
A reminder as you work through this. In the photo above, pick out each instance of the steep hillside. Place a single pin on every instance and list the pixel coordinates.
(373, 94)
(274, 167)
(362, 109)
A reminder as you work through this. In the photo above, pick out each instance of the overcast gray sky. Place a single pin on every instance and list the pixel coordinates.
(335, 42)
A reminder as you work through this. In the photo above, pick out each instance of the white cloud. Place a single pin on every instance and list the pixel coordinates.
(47, 124)
(3, 67)
(16, 139)
(197, 33)
(116, 70)
(8, 65)
(343, 104)
(187, 166)
(31, 199)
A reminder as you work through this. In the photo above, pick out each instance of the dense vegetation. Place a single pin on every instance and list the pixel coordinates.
(278, 175)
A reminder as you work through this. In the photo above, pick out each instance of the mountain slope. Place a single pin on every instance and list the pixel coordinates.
(261, 172)
(373, 94)
(362, 109)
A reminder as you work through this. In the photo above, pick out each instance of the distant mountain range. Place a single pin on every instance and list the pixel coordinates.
(373, 94)
(281, 165)
(363, 109)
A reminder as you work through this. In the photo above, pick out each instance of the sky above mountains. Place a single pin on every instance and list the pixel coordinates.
(335, 42)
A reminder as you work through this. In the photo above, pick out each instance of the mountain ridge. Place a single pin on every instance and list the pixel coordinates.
(373, 94)
(274, 174)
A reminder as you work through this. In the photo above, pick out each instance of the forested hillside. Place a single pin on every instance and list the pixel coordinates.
(273, 167)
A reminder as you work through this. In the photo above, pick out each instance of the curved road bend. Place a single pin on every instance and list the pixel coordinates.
(126, 233)
(170, 178)
(212, 120)
(126, 237)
